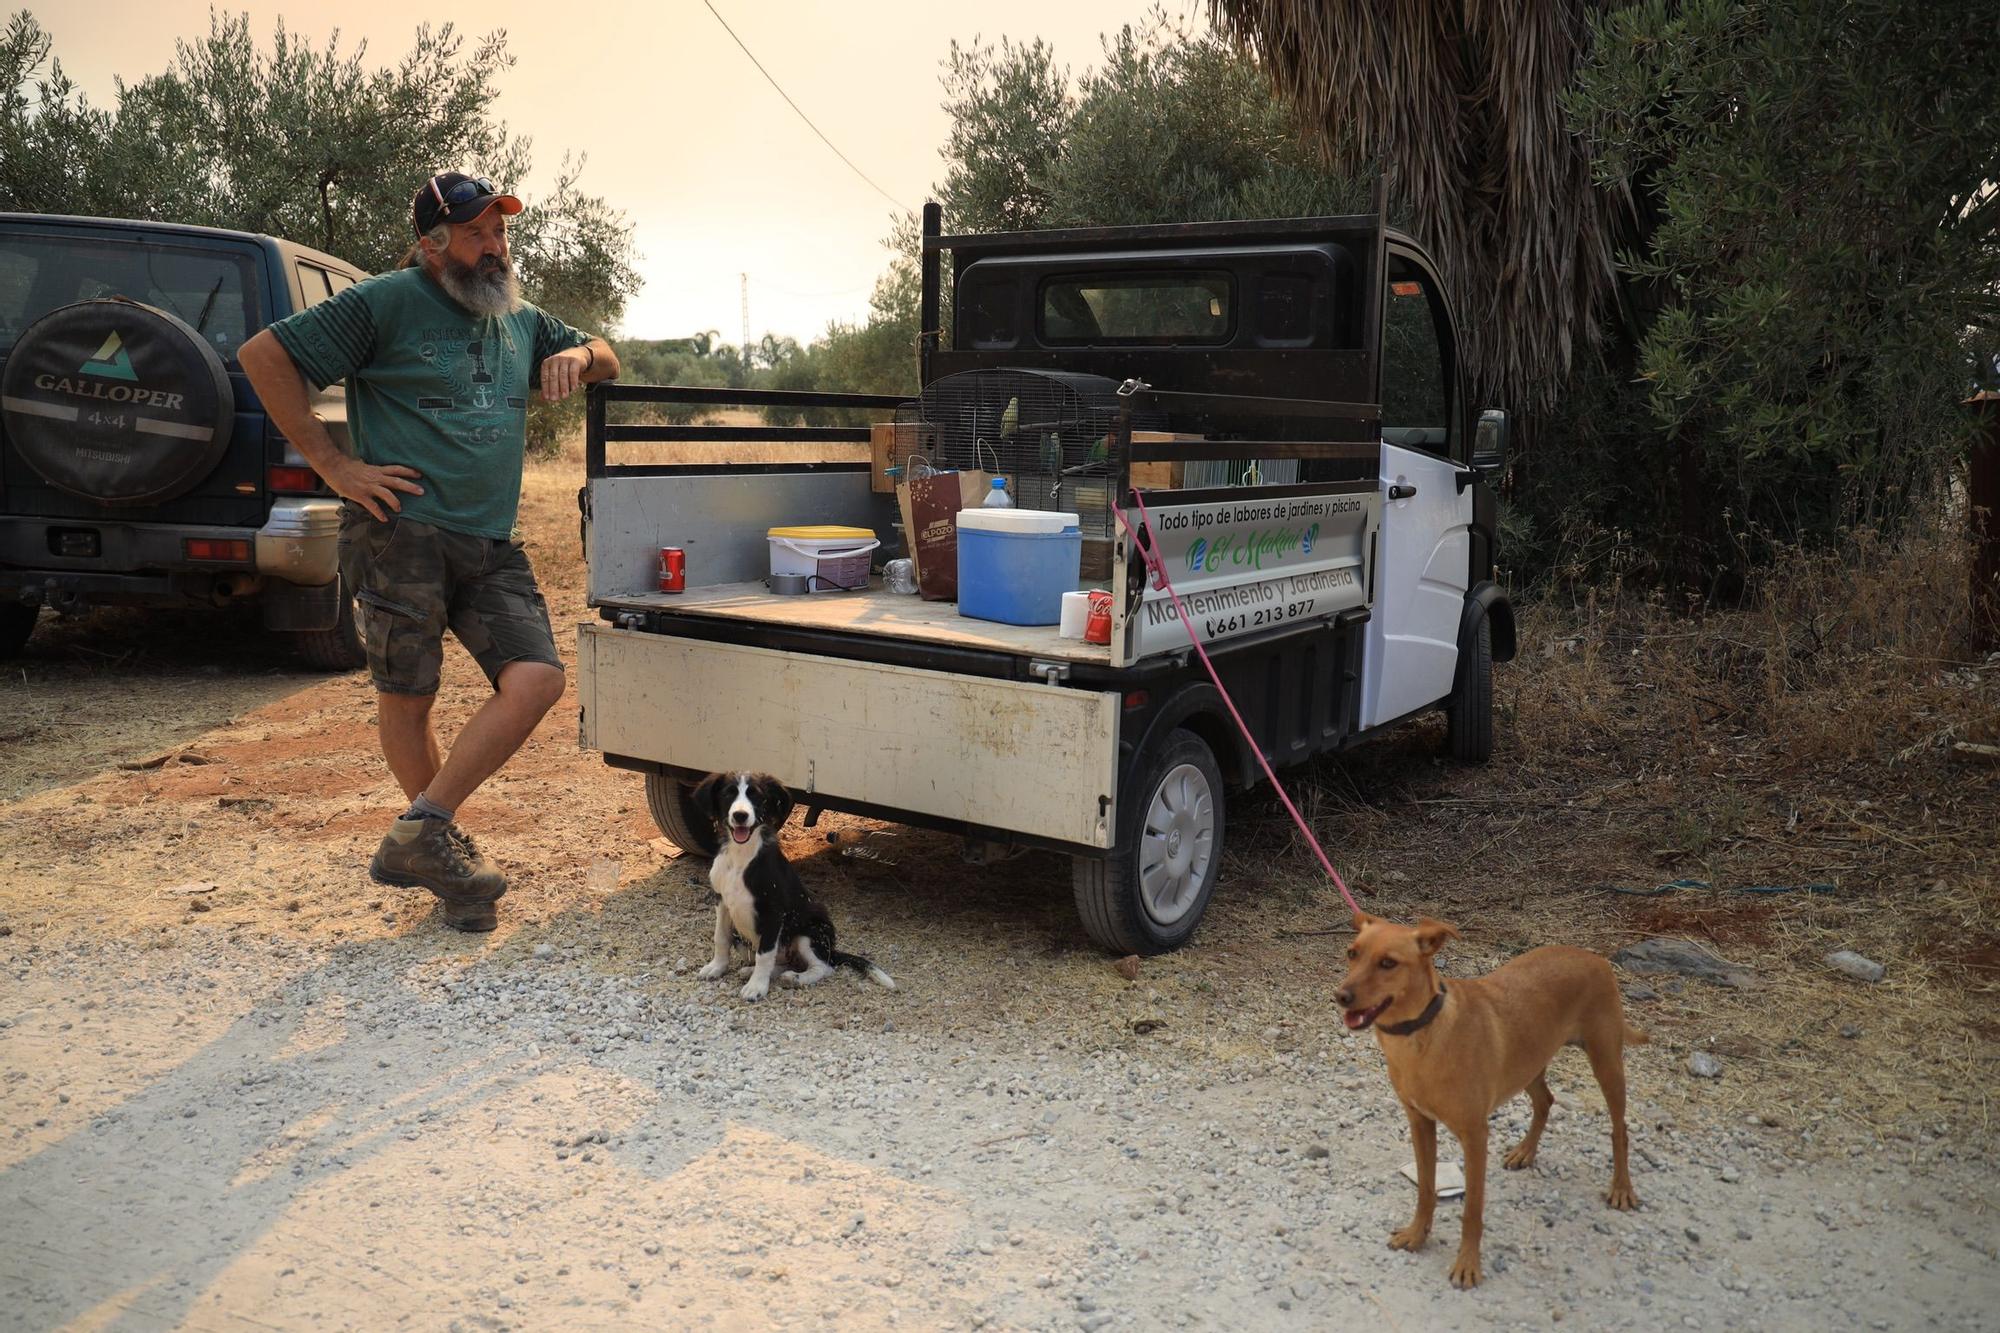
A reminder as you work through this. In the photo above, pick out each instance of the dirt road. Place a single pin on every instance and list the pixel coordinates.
(242, 1086)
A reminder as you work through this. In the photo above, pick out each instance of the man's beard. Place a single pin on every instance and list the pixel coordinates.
(488, 288)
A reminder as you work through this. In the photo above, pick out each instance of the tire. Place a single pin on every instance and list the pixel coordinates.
(685, 826)
(338, 649)
(17, 622)
(1469, 714)
(116, 402)
(1148, 895)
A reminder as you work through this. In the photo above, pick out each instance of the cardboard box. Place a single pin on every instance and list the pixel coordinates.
(1159, 476)
(1095, 567)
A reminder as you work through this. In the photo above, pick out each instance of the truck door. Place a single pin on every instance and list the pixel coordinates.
(1423, 564)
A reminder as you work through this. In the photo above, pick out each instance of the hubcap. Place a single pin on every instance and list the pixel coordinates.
(1178, 841)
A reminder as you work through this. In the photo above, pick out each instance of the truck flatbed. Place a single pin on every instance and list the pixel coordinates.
(1286, 394)
(877, 612)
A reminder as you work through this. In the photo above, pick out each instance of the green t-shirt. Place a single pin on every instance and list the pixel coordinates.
(433, 386)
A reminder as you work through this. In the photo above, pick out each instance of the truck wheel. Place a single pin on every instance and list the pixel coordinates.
(1469, 715)
(1148, 894)
(17, 622)
(686, 827)
(338, 649)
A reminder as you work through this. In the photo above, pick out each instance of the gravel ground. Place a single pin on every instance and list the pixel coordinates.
(248, 1128)
(241, 1086)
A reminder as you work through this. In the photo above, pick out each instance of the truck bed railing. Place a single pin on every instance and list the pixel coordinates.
(599, 431)
(1230, 412)
(1332, 432)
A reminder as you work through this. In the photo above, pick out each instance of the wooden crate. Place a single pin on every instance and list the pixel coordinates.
(1160, 476)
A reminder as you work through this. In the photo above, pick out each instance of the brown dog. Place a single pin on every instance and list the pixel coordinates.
(1456, 1056)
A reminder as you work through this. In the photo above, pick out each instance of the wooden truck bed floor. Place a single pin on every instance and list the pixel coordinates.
(874, 612)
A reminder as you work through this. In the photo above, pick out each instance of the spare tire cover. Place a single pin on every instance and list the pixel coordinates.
(117, 402)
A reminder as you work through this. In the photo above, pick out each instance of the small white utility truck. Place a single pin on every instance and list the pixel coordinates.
(1284, 397)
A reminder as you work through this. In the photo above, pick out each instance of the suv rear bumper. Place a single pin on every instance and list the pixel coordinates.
(300, 541)
(146, 564)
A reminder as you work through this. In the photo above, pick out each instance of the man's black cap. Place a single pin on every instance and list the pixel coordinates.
(453, 196)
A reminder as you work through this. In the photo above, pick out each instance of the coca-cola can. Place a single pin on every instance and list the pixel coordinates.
(673, 569)
(1097, 625)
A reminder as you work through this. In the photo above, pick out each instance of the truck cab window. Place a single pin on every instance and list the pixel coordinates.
(1157, 309)
(1416, 395)
(1284, 309)
(988, 311)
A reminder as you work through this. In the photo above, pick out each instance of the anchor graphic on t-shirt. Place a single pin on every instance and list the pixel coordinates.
(482, 381)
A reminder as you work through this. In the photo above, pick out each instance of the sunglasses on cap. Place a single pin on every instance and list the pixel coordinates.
(462, 193)
(451, 196)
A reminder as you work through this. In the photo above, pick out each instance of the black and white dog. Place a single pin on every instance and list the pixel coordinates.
(759, 896)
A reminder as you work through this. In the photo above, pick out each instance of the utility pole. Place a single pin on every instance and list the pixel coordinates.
(746, 319)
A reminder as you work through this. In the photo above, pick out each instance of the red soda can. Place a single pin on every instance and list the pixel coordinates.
(673, 569)
(1097, 626)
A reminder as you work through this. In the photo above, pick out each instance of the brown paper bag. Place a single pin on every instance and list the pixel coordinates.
(930, 506)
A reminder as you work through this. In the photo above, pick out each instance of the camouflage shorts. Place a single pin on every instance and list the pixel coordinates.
(412, 580)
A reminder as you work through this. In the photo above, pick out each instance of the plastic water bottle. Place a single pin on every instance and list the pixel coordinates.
(997, 498)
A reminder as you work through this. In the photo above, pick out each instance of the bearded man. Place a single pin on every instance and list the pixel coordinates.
(439, 359)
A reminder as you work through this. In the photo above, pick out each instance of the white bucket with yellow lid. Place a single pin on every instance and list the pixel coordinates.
(832, 558)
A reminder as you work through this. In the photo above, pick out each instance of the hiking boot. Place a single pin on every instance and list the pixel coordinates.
(483, 870)
(432, 854)
(472, 918)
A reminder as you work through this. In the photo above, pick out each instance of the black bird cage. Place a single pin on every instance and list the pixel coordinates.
(1049, 432)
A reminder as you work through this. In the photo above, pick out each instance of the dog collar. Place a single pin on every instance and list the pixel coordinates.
(1421, 1021)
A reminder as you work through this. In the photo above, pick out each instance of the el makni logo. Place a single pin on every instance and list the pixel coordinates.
(1254, 548)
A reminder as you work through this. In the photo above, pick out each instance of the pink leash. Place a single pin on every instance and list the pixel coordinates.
(1159, 568)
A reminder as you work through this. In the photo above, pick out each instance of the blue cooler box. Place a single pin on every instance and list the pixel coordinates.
(1014, 565)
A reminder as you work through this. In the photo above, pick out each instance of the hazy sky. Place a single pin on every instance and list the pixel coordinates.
(718, 175)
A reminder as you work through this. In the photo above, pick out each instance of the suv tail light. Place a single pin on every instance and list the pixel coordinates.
(217, 549)
(289, 477)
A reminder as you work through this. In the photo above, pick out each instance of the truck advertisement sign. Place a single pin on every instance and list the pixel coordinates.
(1243, 566)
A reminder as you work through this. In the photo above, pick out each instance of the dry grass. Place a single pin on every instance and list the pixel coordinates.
(1804, 739)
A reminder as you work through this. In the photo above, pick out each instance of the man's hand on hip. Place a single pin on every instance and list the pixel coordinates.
(374, 487)
(562, 374)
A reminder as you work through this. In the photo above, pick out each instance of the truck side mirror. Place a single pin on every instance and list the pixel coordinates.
(1489, 441)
